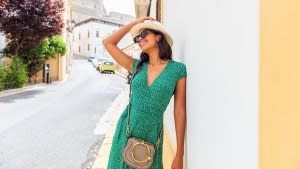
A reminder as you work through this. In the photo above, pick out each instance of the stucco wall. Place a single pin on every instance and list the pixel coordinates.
(218, 41)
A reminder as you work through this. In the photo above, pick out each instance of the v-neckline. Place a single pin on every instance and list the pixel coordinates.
(160, 73)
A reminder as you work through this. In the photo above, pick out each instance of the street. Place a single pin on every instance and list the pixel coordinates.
(51, 127)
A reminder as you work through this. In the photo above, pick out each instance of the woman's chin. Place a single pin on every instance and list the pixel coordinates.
(144, 49)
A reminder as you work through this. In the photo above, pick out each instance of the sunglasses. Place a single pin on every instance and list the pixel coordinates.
(142, 35)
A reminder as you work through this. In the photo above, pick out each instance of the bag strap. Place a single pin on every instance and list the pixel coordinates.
(128, 132)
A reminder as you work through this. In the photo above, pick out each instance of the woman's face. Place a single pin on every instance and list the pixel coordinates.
(148, 42)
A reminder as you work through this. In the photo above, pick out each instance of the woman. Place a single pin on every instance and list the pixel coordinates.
(158, 78)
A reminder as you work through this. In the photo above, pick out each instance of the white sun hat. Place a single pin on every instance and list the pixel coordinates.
(155, 25)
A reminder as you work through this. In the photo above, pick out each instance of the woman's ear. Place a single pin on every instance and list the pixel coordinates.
(158, 37)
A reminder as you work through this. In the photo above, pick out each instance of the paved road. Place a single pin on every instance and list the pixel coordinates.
(51, 127)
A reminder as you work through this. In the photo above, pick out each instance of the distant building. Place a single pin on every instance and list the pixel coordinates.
(91, 24)
(85, 9)
(88, 36)
(120, 17)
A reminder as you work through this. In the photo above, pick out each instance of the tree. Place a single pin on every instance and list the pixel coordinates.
(35, 56)
(28, 22)
(28, 25)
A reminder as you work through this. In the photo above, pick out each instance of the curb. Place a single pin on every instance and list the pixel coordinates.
(20, 90)
(29, 87)
(106, 125)
(121, 74)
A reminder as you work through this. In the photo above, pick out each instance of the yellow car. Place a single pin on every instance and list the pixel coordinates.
(107, 66)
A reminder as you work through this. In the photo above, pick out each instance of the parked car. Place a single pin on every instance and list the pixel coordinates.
(97, 62)
(100, 61)
(90, 58)
(107, 66)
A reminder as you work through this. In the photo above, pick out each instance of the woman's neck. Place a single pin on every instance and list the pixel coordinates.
(154, 58)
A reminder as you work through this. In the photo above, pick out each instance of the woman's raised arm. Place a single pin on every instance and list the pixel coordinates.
(110, 43)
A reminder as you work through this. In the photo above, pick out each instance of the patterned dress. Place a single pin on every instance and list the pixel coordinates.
(148, 104)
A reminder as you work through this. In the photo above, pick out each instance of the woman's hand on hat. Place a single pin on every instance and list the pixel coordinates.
(143, 18)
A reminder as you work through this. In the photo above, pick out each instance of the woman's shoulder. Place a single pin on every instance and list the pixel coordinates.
(180, 68)
(135, 60)
(179, 64)
(134, 64)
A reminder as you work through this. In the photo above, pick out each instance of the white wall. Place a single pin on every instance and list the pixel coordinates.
(2, 41)
(2, 45)
(218, 41)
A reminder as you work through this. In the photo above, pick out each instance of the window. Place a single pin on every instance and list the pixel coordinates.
(95, 50)
(88, 34)
(97, 34)
(88, 47)
(78, 49)
(78, 36)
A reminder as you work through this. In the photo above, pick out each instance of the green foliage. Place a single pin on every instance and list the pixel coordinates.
(13, 75)
(29, 22)
(35, 56)
(3, 74)
(57, 46)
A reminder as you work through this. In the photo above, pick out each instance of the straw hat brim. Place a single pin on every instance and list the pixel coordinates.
(136, 29)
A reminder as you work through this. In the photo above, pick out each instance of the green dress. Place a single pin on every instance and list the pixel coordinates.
(148, 104)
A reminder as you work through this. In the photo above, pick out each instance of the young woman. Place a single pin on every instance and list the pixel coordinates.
(158, 78)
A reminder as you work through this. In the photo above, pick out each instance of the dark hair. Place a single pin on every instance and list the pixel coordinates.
(165, 50)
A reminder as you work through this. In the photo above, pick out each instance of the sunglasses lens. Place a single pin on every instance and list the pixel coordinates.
(144, 34)
(140, 36)
(136, 39)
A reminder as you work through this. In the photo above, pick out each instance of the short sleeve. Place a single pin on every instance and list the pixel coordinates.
(181, 71)
(134, 65)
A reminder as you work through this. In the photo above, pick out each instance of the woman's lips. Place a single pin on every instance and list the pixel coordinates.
(142, 43)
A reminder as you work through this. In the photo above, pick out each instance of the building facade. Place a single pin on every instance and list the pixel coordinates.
(242, 59)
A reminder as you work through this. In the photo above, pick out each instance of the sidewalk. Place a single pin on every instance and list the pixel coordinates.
(121, 74)
(9, 92)
(107, 124)
(20, 90)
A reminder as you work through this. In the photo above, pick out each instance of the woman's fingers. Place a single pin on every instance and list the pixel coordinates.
(143, 18)
(150, 18)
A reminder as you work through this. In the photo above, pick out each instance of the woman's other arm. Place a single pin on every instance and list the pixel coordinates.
(180, 121)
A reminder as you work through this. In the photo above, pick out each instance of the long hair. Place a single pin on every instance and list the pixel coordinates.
(165, 50)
